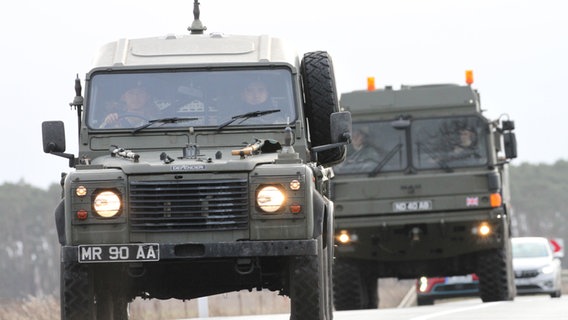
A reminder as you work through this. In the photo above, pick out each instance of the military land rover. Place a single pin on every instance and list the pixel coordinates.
(424, 191)
(199, 195)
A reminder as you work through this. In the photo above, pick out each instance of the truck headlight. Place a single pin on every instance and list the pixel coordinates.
(107, 204)
(270, 198)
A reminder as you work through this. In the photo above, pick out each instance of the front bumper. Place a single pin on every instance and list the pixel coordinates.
(239, 249)
(542, 283)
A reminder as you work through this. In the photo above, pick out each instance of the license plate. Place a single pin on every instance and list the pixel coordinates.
(119, 253)
(459, 279)
(420, 205)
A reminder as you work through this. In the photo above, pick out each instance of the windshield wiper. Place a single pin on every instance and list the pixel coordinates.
(386, 159)
(246, 116)
(162, 120)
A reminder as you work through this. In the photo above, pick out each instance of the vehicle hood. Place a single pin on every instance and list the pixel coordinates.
(530, 263)
(152, 162)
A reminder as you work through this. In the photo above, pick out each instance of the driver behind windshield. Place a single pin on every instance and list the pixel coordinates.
(134, 109)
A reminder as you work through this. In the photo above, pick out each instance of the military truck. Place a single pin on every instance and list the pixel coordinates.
(424, 191)
(199, 196)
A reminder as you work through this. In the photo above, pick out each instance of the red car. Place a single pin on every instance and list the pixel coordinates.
(430, 289)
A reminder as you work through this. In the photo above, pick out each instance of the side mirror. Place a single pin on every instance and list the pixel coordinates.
(510, 142)
(341, 127)
(53, 133)
(340, 131)
(508, 125)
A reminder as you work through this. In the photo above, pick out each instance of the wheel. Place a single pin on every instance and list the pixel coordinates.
(309, 291)
(90, 295)
(355, 285)
(321, 101)
(495, 272)
(424, 301)
(556, 294)
(77, 292)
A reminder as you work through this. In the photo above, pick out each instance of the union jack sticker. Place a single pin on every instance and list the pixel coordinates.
(472, 201)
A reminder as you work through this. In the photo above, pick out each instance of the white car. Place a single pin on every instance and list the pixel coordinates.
(537, 269)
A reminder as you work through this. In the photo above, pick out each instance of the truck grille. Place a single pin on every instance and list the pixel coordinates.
(174, 206)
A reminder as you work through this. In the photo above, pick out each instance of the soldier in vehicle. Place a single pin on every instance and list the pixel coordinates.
(135, 109)
(466, 144)
(255, 95)
(258, 106)
(361, 157)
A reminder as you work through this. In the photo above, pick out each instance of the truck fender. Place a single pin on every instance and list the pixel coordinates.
(320, 212)
(60, 221)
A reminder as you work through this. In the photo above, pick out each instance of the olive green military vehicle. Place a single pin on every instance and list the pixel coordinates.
(199, 196)
(423, 192)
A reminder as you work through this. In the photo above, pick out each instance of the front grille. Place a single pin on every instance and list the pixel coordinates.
(174, 206)
(526, 274)
(457, 287)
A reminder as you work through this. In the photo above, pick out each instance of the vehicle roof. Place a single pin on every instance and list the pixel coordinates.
(435, 99)
(195, 49)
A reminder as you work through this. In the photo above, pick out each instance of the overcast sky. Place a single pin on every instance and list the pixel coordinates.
(517, 49)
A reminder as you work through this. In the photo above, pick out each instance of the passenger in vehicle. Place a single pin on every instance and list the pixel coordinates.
(257, 99)
(255, 95)
(466, 145)
(135, 108)
(361, 156)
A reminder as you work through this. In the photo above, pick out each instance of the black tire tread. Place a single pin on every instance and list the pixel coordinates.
(355, 286)
(321, 101)
(496, 281)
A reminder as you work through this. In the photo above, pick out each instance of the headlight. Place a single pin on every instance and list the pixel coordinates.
(345, 237)
(547, 270)
(270, 199)
(107, 204)
(423, 284)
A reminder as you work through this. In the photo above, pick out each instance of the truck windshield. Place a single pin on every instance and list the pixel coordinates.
(208, 97)
(439, 143)
(374, 146)
(449, 142)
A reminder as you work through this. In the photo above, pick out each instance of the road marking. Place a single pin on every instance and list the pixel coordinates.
(443, 313)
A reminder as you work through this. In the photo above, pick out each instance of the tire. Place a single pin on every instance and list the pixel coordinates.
(556, 294)
(84, 298)
(309, 291)
(424, 301)
(495, 272)
(77, 292)
(355, 285)
(321, 101)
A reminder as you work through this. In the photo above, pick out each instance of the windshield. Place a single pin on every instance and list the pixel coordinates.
(440, 143)
(530, 250)
(190, 98)
(448, 142)
(374, 146)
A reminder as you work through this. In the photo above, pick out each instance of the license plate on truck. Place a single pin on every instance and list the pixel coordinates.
(420, 205)
(119, 252)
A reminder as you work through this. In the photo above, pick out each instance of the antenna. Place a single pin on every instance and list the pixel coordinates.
(78, 101)
(196, 26)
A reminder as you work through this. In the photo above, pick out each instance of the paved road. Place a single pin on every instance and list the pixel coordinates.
(523, 308)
